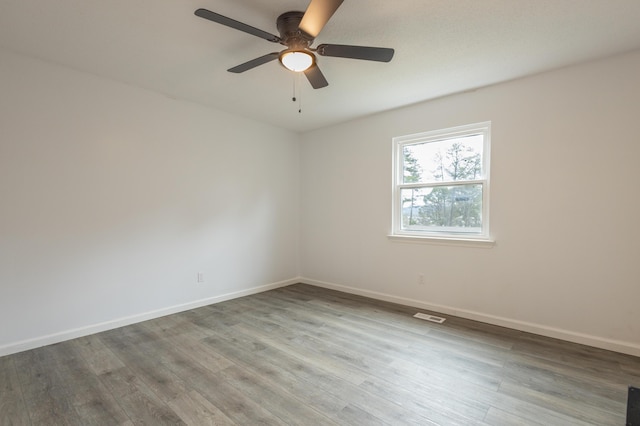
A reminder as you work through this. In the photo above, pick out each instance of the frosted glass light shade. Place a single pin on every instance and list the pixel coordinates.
(297, 61)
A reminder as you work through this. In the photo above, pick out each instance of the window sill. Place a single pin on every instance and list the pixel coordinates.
(447, 241)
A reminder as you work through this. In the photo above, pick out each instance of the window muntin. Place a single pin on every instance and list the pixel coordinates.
(441, 183)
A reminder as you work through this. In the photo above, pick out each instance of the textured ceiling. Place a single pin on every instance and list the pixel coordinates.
(442, 47)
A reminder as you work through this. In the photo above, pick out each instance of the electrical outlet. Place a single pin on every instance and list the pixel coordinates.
(200, 277)
(421, 279)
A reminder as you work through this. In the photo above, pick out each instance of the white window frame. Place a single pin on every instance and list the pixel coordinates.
(483, 128)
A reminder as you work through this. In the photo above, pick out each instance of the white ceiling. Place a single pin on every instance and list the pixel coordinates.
(442, 47)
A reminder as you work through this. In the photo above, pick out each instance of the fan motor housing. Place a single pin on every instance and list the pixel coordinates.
(291, 35)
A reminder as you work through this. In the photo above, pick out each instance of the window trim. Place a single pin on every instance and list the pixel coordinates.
(475, 238)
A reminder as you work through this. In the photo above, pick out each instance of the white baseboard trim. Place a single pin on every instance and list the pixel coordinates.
(542, 330)
(62, 336)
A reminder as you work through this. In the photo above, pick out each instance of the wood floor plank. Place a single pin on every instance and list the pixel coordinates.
(364, 341)
(194, 409)
(557, 401)
(353, 415)
(141, 405)
(215, 387)
(497, 417)
(306, 355)
(45, 391)
(162, 382)
(187, 342)
(9, 381)
(91, 400)
(13, 410)
(97, 355)
(297, 348)
(287, 373)
(436, 404)
(353, 343)
(281, 404)
(565, 382)
(235, 405)
(324, 376)
(276, 400)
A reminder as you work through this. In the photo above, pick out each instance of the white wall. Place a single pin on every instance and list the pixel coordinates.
(113, 198)
(565, 207)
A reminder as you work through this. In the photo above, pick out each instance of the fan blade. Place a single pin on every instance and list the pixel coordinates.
(380, 54)
(215, 17)
(315, 77)
(254, 63)
(317, 15)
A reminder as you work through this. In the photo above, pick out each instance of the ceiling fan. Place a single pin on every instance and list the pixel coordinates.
(297, 33)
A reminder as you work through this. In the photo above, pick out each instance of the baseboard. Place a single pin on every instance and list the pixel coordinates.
(595, 341)
(570, 336)
(50, 339)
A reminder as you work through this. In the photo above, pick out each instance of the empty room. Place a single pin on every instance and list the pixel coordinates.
(319, 212)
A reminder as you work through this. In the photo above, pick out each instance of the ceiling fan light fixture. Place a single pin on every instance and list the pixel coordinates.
(297, 60)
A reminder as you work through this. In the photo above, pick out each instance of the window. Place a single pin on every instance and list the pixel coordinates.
(441, 183)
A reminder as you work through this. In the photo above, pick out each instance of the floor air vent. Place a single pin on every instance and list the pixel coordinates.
(428, 317)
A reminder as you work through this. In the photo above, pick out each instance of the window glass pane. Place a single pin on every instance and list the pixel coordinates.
(455, 208)
(452, 159)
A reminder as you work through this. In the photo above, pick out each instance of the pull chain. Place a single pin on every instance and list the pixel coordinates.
(299, 93)
(297, 87)
(294, 89)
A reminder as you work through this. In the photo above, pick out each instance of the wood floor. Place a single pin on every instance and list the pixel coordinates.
(309, 356)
